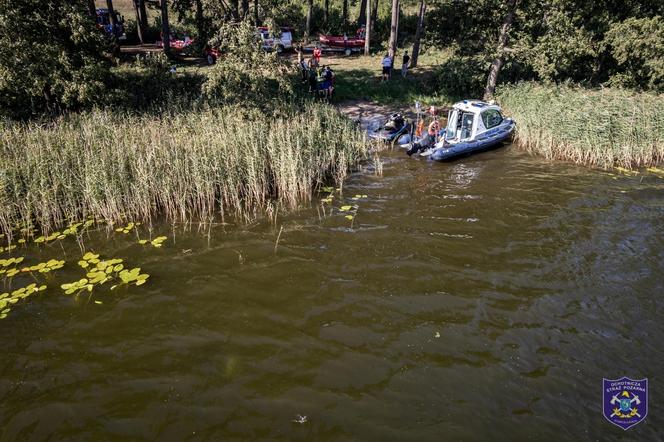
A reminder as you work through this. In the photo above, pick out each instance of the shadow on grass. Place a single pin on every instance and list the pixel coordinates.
(366, 84)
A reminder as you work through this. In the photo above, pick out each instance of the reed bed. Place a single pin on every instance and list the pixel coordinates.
(183, 166)
(602, 128)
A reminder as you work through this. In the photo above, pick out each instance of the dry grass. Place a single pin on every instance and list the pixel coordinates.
(600, 128)
(185, 166)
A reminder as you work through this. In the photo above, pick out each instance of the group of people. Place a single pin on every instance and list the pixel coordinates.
(319, 78)
(432, 136)
(388, 64)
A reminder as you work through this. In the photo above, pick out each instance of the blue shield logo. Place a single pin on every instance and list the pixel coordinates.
(625, 401)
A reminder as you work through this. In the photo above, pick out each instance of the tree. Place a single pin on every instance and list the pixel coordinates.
(344, 13)
(165, 29)
(256, 20)
(418, 34)
(245, 8)
(310, 11)
(200, 21)
(326, 11)
(637, 44)
(394, 28)
(500, 51)
(361, 20)
(367, 29)
(374, 11)
(52, 57)
(140, 26)
(92, 9)
(111, 13)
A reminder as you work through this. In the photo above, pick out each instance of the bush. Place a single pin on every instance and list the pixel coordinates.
(463, 76)
(637, 44)
(245, 73)
(51, 57)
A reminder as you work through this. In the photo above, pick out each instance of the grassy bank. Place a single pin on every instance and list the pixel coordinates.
(183, 166)
(359, 78)
(601, 128)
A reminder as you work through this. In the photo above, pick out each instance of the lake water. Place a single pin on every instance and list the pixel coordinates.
(480, 299)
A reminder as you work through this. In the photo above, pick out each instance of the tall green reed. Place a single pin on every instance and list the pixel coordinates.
(600, 128)
(181, 166)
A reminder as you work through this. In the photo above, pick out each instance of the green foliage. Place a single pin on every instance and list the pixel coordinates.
(51, 57)
(463, 76)
(245, 73)
(564, 51)
(561, 40)
(637, 44)
(148, 83)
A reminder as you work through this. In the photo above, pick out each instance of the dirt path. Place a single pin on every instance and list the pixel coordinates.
(370, 114)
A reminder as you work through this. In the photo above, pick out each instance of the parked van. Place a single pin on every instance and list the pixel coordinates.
(279, 44)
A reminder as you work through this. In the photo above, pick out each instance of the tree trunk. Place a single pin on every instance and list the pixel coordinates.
(200, 24)
(92, 9)
(144, 14)
(367, 29)
(361, 20)
(326, 11)
(139, 23)
(394, 29)
(111, 14)
(344, 14)
(374, 12)
(165, 29)
(497, 63)
(418, 34)
(256, 21)
(235, 9)
(310, 11)
(245, 9)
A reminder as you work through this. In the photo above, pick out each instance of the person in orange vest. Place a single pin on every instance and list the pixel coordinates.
(317, 54)
(431, 138)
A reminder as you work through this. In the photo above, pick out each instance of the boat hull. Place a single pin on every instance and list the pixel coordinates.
(486, 141)
(339, 42)
(388, 135)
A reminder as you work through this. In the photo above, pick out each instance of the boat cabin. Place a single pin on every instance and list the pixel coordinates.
(469, 119)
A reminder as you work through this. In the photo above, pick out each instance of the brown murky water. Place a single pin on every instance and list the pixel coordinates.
(474, 300)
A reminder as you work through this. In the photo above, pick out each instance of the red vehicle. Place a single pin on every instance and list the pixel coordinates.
(211, 54)
(343, 41)
(180, 45)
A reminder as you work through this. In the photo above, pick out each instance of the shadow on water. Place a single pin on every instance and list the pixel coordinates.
(485, 296)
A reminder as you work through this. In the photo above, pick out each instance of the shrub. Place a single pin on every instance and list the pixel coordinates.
(245, 73)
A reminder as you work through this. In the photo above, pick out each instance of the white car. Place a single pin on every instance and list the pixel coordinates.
(279, 44)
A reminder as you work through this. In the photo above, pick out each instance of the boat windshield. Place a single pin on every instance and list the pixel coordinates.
(459, 125)
(452, 124)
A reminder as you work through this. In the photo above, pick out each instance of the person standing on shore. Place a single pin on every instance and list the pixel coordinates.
(313, 76)
(404, 65)
(317, 54)
(387, 67)
(301, 64)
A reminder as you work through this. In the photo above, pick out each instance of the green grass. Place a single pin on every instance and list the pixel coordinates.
(600, 128)
(359, 78)
(181, 166)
